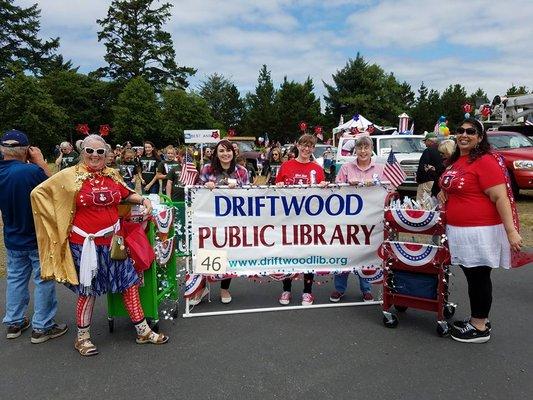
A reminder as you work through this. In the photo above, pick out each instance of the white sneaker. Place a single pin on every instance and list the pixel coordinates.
(307, 299)
(285, 298)
(197, 300)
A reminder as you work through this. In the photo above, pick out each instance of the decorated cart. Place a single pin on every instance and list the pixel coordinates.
(416, 275)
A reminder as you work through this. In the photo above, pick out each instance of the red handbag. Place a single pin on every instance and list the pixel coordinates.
(139, 248)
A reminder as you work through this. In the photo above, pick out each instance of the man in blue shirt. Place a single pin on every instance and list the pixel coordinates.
(21, 170)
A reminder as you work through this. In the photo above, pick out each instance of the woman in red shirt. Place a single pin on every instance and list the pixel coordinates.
(95, 219)
(481, 229)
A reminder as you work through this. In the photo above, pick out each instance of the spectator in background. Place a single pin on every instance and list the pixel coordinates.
(170, 163)
(446, 149)
(149, 162)
(22, 169)
(67, 157)
(128, 168)
(429, 167)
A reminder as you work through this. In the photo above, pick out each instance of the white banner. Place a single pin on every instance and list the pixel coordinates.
(202, 136)
(286, 230)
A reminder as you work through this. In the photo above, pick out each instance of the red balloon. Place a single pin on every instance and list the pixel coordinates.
(303, 126)
(486, 111)
(467, 108)
(104, 130)
(83, 129)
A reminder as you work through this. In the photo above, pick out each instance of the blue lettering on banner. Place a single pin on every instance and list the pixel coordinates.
(314, 205)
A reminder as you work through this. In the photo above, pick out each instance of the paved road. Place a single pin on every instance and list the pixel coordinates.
(335, 353)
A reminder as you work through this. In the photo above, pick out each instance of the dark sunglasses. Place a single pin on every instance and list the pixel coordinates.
(468, 131)
(90, 150)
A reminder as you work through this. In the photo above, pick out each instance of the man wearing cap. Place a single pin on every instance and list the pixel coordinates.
(430, 162)
(21, 170)
(67, 157)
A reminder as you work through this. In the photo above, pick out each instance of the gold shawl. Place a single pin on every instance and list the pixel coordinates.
(53, 204)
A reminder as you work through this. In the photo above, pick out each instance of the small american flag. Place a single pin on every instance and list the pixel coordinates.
(393, 172)
(188, 171)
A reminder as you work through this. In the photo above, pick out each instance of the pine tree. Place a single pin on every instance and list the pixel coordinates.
(137, 45)
(223, 100)
(260, 118)
(20, 48)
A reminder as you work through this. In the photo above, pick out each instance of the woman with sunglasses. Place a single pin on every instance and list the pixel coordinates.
(76, 214)
(481, 223)
(272, 165)
(149, 162)
(222, 171)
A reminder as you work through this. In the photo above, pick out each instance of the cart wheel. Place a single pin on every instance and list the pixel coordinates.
(400, 308)
(449, 310)
(390, 322)
(442, 328)
(111, 323)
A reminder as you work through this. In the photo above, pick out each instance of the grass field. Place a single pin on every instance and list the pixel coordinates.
(525, 208)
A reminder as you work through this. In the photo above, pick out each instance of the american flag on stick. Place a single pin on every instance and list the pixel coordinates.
(189, 174)
(393, 172)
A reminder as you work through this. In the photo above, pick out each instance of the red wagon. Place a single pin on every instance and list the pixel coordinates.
(415, 275)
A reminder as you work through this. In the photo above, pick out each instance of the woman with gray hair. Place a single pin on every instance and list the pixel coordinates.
(76, 214)
(361, 171)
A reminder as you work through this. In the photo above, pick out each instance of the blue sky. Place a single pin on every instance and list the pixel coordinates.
(476, 43)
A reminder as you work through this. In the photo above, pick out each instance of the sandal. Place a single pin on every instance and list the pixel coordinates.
(160, 338)
(85, 347)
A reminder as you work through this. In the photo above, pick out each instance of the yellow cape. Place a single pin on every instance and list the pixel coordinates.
(53, 204)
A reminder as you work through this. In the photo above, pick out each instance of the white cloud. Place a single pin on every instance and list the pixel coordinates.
(490, 42)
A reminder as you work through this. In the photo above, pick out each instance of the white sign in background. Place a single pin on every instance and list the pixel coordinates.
(202, 136)
(287, 230)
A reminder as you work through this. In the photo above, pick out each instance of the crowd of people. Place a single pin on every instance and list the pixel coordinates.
(60, 226)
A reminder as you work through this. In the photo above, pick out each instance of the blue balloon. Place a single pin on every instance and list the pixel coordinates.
(467, 115)
(442, 118)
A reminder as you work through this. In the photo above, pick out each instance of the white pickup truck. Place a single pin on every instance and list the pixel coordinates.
(407, 150)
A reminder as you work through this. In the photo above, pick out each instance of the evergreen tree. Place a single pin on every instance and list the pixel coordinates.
(260, 118)
(517, 90)
(223, 99)
(84, 99)
(20, 48)
(136, 45)
(425, 111)
(295, 102)
(137, 113)
(27, 106)
(478, 97)
(366, 89)
(182, 110)
(451, 104)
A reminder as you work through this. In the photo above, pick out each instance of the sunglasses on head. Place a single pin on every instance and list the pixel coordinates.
(468, 131)
(90, 150)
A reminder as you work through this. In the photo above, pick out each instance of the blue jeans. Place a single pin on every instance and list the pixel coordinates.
(341, 283)
(21, 265)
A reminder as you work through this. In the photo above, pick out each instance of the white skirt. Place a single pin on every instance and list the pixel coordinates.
(477, 246)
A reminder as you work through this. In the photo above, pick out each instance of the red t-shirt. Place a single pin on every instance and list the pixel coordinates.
(293, 172)
(96, 207)
(464, 184)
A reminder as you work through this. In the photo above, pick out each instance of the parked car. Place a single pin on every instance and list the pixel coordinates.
(517, 150)
(407, 150)
(247, 149)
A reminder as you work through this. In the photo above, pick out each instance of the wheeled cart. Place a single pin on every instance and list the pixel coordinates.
(160, 280)
(415, 275)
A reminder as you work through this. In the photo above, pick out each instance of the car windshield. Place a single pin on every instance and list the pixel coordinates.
(509, 141)
(246, 146)
(402, 145)
(319, 151)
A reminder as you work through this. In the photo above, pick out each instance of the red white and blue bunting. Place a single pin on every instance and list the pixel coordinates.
(414, 254)
(415, 220)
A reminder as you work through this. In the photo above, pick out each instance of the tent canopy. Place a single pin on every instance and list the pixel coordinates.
(361, 123)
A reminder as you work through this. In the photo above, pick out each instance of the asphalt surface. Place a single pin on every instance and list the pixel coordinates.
(332, 353)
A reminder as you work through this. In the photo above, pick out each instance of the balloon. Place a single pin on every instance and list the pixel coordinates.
(467, 115)
(260, 139)
(446, 131)
(442, 118)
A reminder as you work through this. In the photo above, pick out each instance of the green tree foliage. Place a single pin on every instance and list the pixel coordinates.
(84, 99)
(451, 104)
(426, 109)
(136, 45)
(20, 48)
(182, 110)
(368, 90)
(478, 97)
(27, 106)
(223, 99)
(260, 118)
(517, 90)
(137, 115)
(295, 102)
